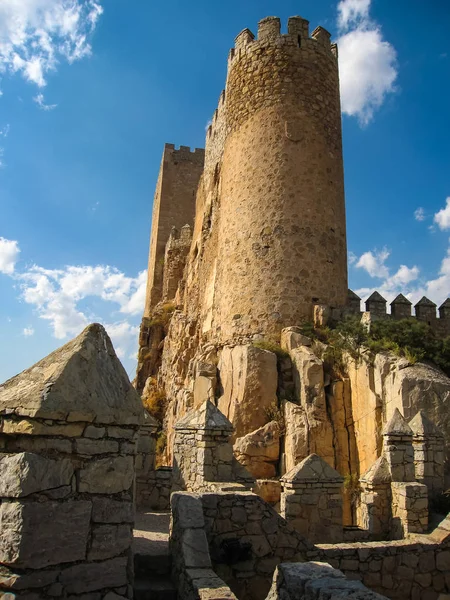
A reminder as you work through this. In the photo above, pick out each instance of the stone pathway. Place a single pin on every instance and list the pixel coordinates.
(151, 533)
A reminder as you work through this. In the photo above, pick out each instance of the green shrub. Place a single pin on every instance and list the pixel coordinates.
(271, 347)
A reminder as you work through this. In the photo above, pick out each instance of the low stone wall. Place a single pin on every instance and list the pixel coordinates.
(191, 561)
(68, 433)
(247, 540)
(315, 581)
(155, 494)
(417, 569)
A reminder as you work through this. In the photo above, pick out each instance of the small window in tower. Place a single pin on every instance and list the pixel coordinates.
(299, 39)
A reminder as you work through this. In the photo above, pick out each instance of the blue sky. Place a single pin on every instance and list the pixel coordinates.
(90, 92)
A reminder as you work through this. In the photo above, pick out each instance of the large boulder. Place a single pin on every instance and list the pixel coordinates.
(259, 450)
(249, 379)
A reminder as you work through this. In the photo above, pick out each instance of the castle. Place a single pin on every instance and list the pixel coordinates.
(249, 238)
(288, 471)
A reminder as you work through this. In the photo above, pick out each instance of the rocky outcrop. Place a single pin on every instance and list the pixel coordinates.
(385, 383)
(259, 451)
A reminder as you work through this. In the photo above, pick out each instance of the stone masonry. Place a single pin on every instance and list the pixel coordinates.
(68, 434)
(311, 500)
(202, 449)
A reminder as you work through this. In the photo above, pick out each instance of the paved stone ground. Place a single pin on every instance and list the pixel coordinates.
(151, 533)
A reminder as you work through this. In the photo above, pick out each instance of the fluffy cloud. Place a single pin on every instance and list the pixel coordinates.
(72, 297)
(37, 34)
(373, 263)
(406, 280)
(367, 62)
(442, 217)
(9, 255)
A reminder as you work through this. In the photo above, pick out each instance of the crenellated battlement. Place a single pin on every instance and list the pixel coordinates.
(185, 152)
(401, 308)
(269, 33)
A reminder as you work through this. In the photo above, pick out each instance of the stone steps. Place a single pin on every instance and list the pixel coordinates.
(152, 577)
(154, 587)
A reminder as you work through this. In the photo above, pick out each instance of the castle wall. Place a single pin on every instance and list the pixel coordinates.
(281, 243)
(173, 206)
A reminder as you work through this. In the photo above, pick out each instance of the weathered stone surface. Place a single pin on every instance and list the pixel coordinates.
(259, 450)
(310, 390)
(32, 427)
(94, 576)
(107, 475)
(37, 579)
(109, 541)
(292, 337)
(89, 447)
(296, 441)
(61, 528)
(26, 473)
(81, 381)
(106, 510)
(249, 378)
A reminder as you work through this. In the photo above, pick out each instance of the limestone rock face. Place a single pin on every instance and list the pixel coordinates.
(81, 381)
(296, 443)
(249, 378)
(310, 389)
(390, 383)
(260, 450)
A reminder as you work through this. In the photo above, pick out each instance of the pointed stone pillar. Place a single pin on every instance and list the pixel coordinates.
(202, 449)
(428, 445)
(409, 499)
(401, 307)
(311, 500)
(68, 432)
(374, 510)
(398, 448)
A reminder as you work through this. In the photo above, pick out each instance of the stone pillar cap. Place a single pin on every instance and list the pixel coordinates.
(378, 473)
(81, 381)
(401, 299)
(312, 468)
(206, 417)
(397, 425)
(421, 425)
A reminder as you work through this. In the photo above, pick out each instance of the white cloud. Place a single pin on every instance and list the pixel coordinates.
(351, 12)
(442, 217)
(352, 258)
(373, 263)
(419, 214)
(4, 131)
(35, 35)
(9, 255)
(57, 294)
(367, 62)
(28, 331)
(407, 281)
(39, 99)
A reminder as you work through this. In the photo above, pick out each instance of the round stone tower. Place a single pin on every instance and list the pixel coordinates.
(281, 244)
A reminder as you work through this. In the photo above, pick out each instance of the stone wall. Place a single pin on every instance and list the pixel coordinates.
(311, 500)
(191, 561)
(68, 433)
(417, 568)
(315, 581)
(247, 539)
